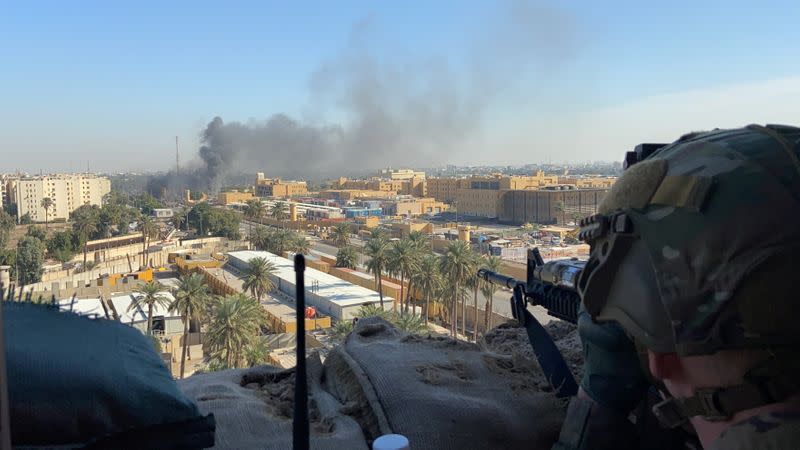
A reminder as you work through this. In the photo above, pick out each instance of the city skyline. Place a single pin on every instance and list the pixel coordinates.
(568, 82)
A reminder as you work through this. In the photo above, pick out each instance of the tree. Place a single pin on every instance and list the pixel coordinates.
(191, 298)
(150, 294)
(255, 353)
(6, 227)
(254, 211)
(29, 260)
(25, 219)
(494, 264)
(146, 203)
(457, 266)
(84, 226)
(36, 232)
(428, 280)
(257, 277)
(62, 245)
(278, 211)
(300, 244)
(47, 203)
(235, 322)
(148, 229)
(341, 235)
(377, 248)
(347, 257)
(403, 261)
(259, 238)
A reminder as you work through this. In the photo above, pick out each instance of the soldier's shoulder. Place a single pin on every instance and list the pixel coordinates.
(774, 430)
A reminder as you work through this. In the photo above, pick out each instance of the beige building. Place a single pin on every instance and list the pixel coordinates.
(226, 198)
(412, 207)
(414, 185)
(275, 187)
(67, 193)
(401, 174)
(553, 205)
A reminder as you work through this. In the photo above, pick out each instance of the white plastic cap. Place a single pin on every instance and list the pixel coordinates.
(391, 442)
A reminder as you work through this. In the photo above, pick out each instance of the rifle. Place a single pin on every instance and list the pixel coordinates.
(552, 286)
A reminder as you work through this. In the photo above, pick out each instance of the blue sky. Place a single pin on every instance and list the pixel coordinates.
(115, 84)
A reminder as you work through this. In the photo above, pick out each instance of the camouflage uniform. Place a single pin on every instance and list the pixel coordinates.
(777, 430)
(693, 252)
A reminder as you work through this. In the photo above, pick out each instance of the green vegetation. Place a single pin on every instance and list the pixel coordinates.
(404, 322)
(457, 266)
(149, 295)
(254, 210)
(279, 240)
(403, 261)
(341, 235)
(29, 260)
(428, 279)
(214, 221)
(25, 219)
(191, 301)
(6, 227)
(278, 211)
(36, 232)
(146, 203)
(63, 245)
(494, 264)
(47, 203)
(257, 277)
(377, 248)
(233, 328)
(347, 257)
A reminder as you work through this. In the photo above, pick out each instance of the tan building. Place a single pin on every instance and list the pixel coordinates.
(589, 182)
(556, 205)
(343, 195)
(275, 187)
(67, 193)
(415, 185)
(443, 189)
(412, 207)
(401, 174)
(226, 198)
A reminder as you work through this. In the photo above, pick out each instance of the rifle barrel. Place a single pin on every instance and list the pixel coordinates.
(496, 278)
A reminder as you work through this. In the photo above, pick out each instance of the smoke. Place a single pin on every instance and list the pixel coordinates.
(368, 111)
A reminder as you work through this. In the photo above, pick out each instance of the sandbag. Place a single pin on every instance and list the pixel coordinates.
(254, 407)
(441, 393)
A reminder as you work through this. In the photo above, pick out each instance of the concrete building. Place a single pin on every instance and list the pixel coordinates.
(353, 212)
(226, 198)
(346, 195)
(401, 174)
(545, 205)
(332, 296)
(415, 185)
(67, 192)
(413, 207)
(443, 189)
(275, 187)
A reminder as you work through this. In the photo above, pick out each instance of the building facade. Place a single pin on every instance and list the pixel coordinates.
(275, 187)
(67, 192)
(556, 205)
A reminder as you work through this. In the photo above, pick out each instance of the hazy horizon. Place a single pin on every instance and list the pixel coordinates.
(324, 87)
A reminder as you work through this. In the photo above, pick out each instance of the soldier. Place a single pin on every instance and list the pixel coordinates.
(689, 288)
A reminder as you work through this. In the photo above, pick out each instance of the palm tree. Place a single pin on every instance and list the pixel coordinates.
(257, 277)
(428, 280)
(377, 248)
(84, 226)
(341, 235)
(403, 260)
(47, 203)
(494, 264)
(560, 208)
(281, 240)
(148, 229)
(300, 244)
(457, 266)
(150, 294)
(377, 233)
(256, 353)
(254, 210)
(278, 211)
(347, 257)
(260, 237)
(191, 298)
(420, 240)
(235, 322)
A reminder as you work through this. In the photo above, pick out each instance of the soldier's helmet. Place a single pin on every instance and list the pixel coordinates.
(695, 248)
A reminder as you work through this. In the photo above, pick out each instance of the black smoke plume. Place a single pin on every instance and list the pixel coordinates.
(367, 111)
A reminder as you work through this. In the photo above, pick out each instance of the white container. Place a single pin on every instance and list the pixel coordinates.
(391, 442)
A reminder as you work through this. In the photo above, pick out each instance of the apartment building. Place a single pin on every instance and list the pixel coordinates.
(415, 185)
(67, 192)
(275, 187)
